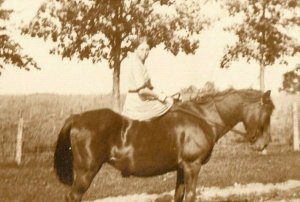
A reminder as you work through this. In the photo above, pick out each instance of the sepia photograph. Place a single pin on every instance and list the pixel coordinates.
(149, 100)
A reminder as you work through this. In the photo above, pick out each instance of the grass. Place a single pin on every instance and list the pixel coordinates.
(35, 180)
(44, 115)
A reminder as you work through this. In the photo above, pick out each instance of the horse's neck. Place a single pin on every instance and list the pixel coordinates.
(231, 112)
(222, 115)
(207, 111)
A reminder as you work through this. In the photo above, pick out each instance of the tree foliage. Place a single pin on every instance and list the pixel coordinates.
(106, 29)
(11, 51)
(263, 32)
(291, 81)
(94, 29)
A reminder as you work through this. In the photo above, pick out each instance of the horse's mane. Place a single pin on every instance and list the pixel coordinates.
(248, 95)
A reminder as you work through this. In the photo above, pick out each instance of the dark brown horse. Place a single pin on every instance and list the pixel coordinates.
(181, 140)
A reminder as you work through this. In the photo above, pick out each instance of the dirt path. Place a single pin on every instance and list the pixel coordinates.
(289, 191)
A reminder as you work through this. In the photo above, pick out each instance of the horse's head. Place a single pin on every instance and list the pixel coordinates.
(257, 117)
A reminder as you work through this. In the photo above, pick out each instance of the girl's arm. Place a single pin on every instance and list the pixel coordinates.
(148, 94)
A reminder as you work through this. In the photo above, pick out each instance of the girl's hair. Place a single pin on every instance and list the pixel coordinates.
(139, 40)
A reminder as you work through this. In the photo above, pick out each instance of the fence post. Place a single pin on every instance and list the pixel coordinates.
(61, 112)
(19, 139)
(296, 128)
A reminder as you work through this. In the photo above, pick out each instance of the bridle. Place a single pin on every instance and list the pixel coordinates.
(252, 138)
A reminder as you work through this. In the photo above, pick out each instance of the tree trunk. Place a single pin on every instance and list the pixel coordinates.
(262, 77)
(116, 56)
(116, 87)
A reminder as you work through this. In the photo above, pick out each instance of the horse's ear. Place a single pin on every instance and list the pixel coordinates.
(266, 98)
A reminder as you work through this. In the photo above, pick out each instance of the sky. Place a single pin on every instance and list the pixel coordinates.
(169, 73)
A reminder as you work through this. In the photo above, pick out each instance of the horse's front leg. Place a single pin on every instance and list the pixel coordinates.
(191, 171)
(180, 187)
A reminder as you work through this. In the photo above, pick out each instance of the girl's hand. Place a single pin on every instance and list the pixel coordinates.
(161, 97)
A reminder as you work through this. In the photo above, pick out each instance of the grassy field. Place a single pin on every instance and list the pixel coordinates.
(44, 115)
(35, 180)
(232, 160)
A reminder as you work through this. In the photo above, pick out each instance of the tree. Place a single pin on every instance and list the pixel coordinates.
(11, 51)
(105, 29)
(263, 32)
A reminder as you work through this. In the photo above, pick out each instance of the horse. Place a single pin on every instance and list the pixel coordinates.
(181, 140)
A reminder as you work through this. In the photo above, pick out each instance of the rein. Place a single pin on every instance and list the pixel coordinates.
(178, 97)
(210, 122)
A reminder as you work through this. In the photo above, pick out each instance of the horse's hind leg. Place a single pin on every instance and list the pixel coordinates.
(180, 187)
(88, 157)
(82, 180)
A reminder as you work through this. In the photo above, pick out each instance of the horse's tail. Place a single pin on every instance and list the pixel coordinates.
(63, 157)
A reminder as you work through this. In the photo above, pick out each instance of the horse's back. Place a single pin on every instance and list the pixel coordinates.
(97, 118)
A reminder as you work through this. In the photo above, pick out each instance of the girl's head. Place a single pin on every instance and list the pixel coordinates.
(142, 48)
